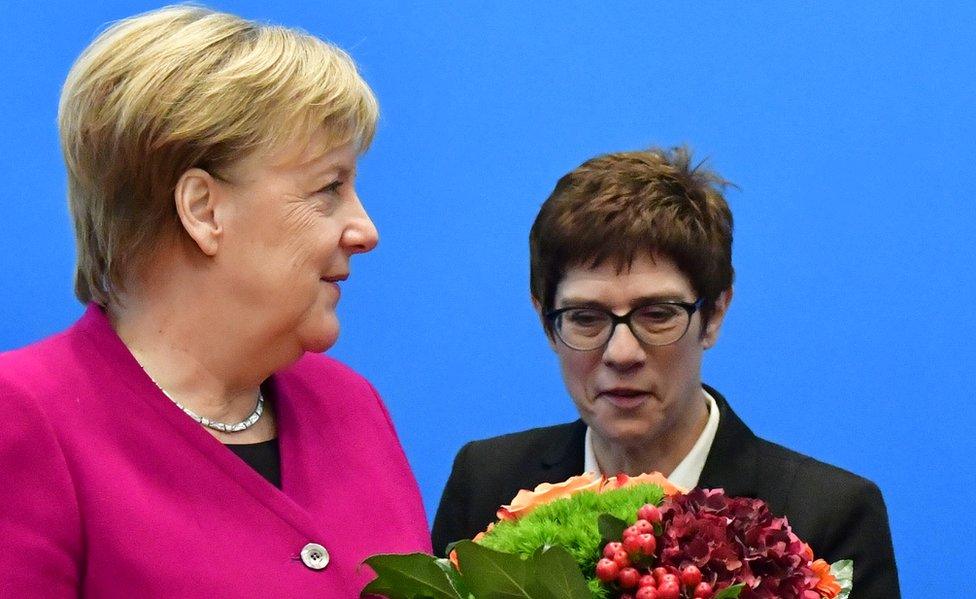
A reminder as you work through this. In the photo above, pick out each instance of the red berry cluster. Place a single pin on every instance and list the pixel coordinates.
(628, 565)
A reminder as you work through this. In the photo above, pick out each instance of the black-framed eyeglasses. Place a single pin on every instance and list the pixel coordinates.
(655, 323)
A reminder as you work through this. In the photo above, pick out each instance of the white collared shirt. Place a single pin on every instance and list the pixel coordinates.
(688, 471)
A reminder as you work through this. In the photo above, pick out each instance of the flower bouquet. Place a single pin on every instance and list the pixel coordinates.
(621, 537)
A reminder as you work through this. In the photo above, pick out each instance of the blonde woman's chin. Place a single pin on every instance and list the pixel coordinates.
(321, 335)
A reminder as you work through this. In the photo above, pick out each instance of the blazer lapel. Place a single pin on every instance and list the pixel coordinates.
(734, 461)
(197, 444)
(730, 462)
(564, 456)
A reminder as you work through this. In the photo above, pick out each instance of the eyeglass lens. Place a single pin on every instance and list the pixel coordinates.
(654, 324)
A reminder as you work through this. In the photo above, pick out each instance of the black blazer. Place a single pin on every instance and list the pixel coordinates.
(841, 515)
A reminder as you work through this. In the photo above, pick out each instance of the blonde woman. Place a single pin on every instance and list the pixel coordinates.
(185, 437)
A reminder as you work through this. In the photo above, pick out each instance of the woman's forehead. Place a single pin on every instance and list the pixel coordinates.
(644, 278)
(317, 155)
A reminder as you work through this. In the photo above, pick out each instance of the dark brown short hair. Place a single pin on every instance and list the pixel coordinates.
(618, 206)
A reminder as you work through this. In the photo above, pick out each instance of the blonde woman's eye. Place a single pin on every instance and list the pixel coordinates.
(332, 187)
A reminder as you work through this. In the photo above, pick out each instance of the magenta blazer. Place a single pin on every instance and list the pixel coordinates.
(107, 489)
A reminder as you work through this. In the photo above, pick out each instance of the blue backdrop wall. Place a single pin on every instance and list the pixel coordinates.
(849, 129)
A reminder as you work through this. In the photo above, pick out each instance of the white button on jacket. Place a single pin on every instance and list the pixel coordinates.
(315, 556)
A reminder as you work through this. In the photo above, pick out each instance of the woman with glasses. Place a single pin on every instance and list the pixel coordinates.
(631, 273)
(186, 438)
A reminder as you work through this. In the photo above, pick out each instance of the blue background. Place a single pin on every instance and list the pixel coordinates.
(848, 128)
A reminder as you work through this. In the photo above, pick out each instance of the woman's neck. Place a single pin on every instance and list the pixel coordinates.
(199, 361)
(662, 454)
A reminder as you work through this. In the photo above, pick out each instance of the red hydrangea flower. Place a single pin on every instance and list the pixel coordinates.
(733, 540)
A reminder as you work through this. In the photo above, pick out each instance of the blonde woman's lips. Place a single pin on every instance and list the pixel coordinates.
(334, 282)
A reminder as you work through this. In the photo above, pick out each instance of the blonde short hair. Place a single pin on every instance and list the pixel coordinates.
(176, 88)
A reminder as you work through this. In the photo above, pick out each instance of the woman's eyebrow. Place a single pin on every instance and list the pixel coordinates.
(578, 302)
(338, 167)
(658, 297)
(582, 302)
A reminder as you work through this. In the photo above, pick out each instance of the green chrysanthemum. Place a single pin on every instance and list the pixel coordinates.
(571, 523)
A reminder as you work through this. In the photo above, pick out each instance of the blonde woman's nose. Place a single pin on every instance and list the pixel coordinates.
(360, 235)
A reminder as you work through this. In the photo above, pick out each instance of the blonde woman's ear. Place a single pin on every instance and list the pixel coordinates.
(196, 196)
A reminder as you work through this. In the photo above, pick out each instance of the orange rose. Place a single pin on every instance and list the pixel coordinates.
(654, 478)
(526, 501)
(826, 583)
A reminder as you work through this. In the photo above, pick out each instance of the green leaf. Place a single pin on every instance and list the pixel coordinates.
(410, 576)
(611, 528)
(490, 574)
(731, 592)
(454, 576)
(550, 573)
(843, 571)
(556, 575)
